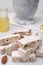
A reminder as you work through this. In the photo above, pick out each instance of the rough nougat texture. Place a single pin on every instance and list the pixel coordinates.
(9, 48)
(32, 57)
(24, 32)
(25, 52)
(13, 47)
(9, 39)
(30, 41)
(39, 51)
(16, 57)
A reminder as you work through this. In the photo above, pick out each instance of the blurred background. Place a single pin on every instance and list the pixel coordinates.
(8, 4)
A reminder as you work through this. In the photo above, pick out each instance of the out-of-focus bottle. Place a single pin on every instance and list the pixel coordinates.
(4, 20)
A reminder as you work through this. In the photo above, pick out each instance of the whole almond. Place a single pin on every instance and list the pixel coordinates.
(4, 59)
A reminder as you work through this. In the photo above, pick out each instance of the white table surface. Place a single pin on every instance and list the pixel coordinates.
(38, 20)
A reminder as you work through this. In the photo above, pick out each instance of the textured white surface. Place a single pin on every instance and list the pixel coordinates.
(32, 55)
(24, 50)
(15, 54)
(29, 39)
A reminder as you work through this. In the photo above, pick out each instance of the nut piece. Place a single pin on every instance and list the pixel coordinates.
(41, 27)
(4, 59)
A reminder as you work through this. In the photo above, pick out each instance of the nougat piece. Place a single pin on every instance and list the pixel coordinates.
(39, 51)
(9, 39)
(29, 50)
(9, 48)
(12, 47)
(37, 44)
(30, 41)
(16, 57)
(24, 32)
(25, 52)
(32, 57)
(2, 49)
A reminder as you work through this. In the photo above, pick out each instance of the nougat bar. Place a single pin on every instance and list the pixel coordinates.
(39, 51)
(30, 41)
(13, 47)
(7, 49)
(16, 57)
(24, 52)
(32, 57)
(23, 32)
(9, 39)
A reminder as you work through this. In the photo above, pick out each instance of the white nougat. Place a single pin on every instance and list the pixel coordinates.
(14, 46)
(32, 57)
(24, 32)
(30, 41)
(2, 49)
(16, 57)
(39, 52)
(24, 52)
(9, 39)
(9, 48)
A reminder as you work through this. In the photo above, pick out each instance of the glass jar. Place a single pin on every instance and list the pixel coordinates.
(4, 20)
(25, 10)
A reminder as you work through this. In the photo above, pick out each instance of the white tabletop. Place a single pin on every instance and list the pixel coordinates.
(38, 19)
